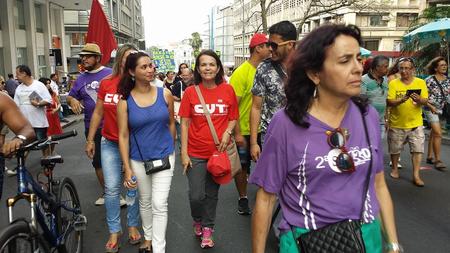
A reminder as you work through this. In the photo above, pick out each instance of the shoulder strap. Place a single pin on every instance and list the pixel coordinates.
(129, 130)
(369, 171)
(208, 116)
(439, 85)
(277, 67)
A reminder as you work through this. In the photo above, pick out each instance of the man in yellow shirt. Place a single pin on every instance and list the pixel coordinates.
(242, 82)
(406, 96)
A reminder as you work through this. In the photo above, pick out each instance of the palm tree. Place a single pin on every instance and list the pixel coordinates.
(196, 43)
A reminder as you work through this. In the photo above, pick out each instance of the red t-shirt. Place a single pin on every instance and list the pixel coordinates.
(108, 93)
(223, 108)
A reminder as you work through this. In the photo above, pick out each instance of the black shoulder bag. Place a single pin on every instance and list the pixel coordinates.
(152, 166)
(341, 237)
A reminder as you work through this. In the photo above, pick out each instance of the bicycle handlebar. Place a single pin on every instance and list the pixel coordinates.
(49, 140)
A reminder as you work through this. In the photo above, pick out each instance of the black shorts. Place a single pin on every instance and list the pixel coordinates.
(41, 132)
(244, 153)
(97, 161)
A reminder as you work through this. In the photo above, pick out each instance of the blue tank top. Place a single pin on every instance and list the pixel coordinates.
(149, 126)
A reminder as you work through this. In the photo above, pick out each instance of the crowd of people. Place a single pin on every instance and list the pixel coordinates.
(306, 113)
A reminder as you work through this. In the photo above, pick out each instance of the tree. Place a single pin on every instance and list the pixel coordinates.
(196, 43)
(423, 55)
(315, 8)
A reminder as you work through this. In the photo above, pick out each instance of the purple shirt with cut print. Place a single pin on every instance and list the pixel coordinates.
(297, 165)
(85, 90)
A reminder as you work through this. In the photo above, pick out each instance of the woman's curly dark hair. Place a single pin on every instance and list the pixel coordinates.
(433, 64)
(310, 56)
(127, 83)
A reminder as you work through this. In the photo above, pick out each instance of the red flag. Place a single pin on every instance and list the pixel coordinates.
(100, 33)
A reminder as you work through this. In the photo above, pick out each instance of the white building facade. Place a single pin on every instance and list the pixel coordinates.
(29, 29)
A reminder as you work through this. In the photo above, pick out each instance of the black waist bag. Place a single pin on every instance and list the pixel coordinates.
(156, 165)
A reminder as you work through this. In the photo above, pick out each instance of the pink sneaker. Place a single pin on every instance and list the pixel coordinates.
(207, 238)
(197, 228)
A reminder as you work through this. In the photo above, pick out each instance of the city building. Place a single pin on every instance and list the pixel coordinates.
(31, 33)
(126, 22)
(382, 25)
(183, 53)
(223, 36)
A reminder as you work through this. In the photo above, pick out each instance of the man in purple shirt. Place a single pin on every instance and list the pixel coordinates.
(83, 95)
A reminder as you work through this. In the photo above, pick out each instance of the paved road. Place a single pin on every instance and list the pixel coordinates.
(423, 214)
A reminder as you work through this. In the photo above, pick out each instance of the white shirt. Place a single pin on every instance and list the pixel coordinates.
(158, 83)
(54, 87)
(35, 115)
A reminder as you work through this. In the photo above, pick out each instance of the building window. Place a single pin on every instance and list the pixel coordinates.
(22, 57)
(406, 19)
(19, 14)
(371, 45)
(78, 39)
(377, 20)
(42, 67)
(372, 20)
(38, 14)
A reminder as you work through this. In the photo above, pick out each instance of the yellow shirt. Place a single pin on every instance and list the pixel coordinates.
(242, 82)
(408, 114)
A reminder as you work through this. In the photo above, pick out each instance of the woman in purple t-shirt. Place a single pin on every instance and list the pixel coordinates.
(317, 155)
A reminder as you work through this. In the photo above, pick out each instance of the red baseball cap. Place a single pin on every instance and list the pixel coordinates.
(258, 39)
(219, 167)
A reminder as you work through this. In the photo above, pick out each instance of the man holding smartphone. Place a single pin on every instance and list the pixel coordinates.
(406, 96)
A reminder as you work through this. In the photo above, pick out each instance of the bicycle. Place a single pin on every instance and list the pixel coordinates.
(54, 205)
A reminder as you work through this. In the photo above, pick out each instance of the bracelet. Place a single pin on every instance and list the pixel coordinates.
(90, 142)
(229, 132)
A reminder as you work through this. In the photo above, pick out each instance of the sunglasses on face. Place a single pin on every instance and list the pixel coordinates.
(344, 161)
(275, 45)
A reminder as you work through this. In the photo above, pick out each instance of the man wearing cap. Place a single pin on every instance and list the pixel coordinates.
(242, 82)
(268, 87)
(83, 95)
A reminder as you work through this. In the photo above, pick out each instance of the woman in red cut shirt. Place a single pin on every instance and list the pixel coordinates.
(197, 144)
(106, 109)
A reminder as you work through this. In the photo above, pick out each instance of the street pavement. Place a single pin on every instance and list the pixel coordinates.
(422, 214)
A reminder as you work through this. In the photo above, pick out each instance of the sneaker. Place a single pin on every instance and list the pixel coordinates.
(100, 201)
(197, 228)
(399, 166)
(243, 208)
(123, 202)
(11, 172)
(207, 238)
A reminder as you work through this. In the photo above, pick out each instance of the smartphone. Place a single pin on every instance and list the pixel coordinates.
(409, 92)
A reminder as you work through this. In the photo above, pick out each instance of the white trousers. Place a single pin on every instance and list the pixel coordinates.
(153, 197)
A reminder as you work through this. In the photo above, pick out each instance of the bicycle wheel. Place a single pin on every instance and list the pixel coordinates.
(68, 196)
(17, 238)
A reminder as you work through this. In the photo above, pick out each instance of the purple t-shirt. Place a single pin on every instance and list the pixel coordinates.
(85, 89)
(297, 165)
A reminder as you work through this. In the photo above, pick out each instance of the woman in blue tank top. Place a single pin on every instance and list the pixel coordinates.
(146, 134)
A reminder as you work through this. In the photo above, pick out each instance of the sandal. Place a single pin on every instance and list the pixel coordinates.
(146, 249)
(439, 165)
(418, 182)
(430, 160)
(113, 247)
(134, 239)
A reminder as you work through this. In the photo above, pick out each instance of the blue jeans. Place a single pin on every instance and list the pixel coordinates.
(112, 172)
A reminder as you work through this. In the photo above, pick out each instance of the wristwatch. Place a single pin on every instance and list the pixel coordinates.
(394, 246)
(21, 137)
